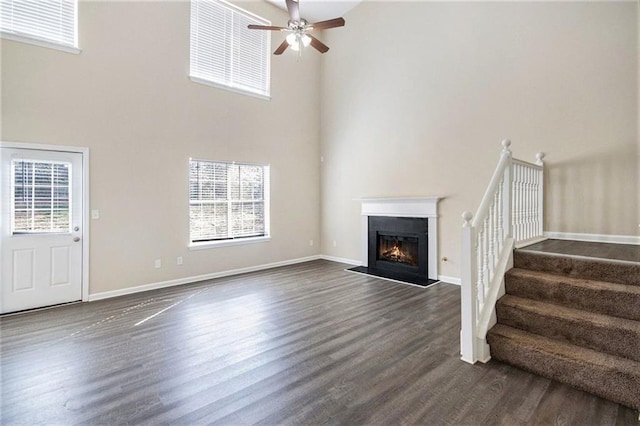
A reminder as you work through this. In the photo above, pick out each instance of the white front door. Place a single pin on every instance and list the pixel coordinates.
(42, 228)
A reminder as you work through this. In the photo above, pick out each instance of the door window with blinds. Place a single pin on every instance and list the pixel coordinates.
(228, 201)
(41, 197)
(224, 53)
(47, 22)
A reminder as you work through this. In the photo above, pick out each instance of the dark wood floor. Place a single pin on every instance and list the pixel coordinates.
(304, 344)
(624, 252)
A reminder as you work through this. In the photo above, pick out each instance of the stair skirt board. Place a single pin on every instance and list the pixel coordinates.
(573, 320)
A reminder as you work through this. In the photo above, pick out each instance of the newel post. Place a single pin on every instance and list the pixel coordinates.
(468, 293)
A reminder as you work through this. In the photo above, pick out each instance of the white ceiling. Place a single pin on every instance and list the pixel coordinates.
(320, 10)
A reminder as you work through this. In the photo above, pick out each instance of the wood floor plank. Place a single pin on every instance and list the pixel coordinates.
(302, 344)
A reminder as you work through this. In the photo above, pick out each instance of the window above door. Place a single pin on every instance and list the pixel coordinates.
(46, 23)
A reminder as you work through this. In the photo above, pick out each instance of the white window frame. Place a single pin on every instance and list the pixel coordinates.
(200, 245)
(28, 38)
(229, 83)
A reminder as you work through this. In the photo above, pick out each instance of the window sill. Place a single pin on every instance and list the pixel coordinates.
(39, 42)
(230, 89)
(226, 243)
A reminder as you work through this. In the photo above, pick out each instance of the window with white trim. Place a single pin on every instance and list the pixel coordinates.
(227, 201)
(40, 21)
(224, 52)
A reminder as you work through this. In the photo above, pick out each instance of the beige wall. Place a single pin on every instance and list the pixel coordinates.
(416, 97)
(415, 109)
(128, 98)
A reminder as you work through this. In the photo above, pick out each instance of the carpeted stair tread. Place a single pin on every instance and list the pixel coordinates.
(611, 377)
(602, 297)
(613, 335)
(621, 272)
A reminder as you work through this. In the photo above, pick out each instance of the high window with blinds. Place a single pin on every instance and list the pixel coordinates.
(228, 201)
(50, 22)
(224, 52)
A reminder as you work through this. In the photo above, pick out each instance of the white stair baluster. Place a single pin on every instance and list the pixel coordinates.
(480, 263)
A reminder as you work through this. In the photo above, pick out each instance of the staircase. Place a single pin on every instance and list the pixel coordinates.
(575, 320)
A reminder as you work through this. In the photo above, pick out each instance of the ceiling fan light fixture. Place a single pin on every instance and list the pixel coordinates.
(292, 39)
(298, 28)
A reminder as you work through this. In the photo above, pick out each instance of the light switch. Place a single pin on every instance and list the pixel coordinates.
(95, 214)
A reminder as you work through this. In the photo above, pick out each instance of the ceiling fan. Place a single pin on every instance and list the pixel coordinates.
(299, 30)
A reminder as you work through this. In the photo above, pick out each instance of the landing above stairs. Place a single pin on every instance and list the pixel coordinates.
(571, 313)
(605, 251)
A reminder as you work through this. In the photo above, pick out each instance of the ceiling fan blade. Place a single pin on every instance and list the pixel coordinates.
(331, 23)
(265, 27)
(318, 45)
(294, 11)
(280, 50)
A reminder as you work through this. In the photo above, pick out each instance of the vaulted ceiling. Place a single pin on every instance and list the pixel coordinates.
(314, 10)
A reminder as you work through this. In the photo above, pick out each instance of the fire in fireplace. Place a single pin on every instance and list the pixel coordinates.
(398, 249)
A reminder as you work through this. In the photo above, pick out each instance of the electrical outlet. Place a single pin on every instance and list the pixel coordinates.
(310, 242)
(179, 260)
(157, 263)
(95, 214)
(335, 243)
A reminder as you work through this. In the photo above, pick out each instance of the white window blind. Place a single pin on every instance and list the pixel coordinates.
(41, 197)
(227, 200)
(225, 52)
(53, 21)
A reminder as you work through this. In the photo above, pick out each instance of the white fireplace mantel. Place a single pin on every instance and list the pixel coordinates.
(425, 207)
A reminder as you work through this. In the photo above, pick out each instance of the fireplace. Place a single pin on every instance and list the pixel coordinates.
(400, 239)
(399, 246)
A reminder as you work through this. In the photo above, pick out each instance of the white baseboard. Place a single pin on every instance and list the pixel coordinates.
(187, 280)
(450, 280)
(193, 279)
(341, 260)
(601, 238)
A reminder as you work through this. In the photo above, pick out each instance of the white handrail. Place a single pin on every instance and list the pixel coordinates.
(510, 214)
(497, 177)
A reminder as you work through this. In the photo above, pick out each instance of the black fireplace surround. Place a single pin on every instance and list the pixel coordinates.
(398, 249)
(408, 235)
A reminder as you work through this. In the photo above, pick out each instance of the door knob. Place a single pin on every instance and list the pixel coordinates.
(76, 239)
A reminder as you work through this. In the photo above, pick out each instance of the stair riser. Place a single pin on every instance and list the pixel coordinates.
(620, 387)
(588, 269)
(600, 337)
(615, 303)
